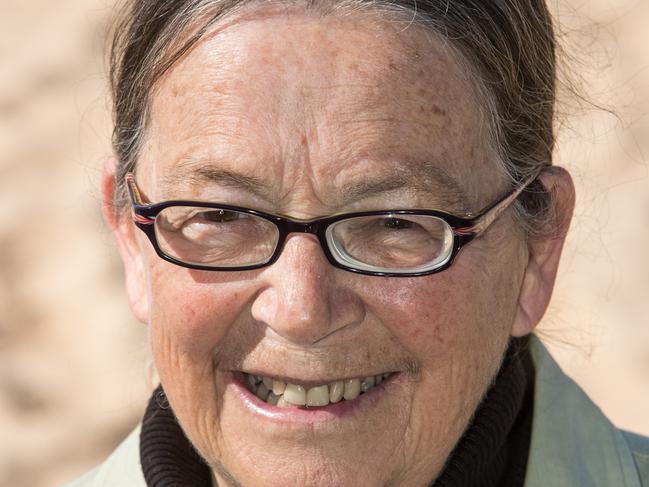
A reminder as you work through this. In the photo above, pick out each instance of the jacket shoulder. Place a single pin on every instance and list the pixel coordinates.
(639, 446)
(121, 468)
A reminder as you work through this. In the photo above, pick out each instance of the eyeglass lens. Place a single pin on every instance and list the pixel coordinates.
(208, 236)
(391, 243)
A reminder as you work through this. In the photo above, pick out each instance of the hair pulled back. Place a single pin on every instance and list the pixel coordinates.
(509, 47)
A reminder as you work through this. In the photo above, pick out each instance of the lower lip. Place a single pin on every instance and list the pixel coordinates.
(300, 415)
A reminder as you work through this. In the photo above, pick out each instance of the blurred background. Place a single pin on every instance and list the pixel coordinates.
(73, 362)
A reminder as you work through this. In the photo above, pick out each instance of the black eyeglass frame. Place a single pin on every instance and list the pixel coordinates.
(465, 229)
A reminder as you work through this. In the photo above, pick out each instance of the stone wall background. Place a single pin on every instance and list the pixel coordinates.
(73, 362)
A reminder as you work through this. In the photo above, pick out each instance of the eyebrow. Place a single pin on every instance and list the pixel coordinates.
(427, 179)
(424, 178)
(208, 171)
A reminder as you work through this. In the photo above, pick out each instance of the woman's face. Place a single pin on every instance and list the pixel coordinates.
(307, 116)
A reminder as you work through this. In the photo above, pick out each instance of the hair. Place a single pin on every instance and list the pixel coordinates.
(509, 48)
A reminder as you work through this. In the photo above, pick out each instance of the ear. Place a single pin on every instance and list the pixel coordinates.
(124, 232)
(544, 254)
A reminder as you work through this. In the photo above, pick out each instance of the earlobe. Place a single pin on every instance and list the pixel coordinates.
(127, 245)
(544, 254)
(534, 297)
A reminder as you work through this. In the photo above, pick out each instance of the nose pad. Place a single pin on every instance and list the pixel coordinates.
(302, 300)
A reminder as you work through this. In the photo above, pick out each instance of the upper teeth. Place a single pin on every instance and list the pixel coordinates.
(282, 394)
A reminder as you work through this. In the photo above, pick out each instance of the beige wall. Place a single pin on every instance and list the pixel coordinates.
(73, 374)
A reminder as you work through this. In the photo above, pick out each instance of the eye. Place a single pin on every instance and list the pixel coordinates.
(397, 223)
(220, 216)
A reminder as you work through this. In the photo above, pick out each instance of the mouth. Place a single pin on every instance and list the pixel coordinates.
(288, 394)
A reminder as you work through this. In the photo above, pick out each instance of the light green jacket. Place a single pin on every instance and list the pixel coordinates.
(572, 445)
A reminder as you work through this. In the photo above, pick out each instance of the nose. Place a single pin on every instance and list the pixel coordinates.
(304, 299)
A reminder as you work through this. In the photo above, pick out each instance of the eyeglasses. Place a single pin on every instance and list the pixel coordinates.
(392, 243)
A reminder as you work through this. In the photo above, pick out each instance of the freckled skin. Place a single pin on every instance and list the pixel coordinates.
(309, 105)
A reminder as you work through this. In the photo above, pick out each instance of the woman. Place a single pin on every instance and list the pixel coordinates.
(341, 223)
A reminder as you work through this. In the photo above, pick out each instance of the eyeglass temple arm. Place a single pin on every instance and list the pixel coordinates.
(136, 200)
(133, 190)
(483, 221)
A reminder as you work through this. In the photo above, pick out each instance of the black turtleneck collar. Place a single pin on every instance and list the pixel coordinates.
(492, 452)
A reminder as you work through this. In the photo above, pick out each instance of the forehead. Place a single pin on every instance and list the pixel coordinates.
(310, 106)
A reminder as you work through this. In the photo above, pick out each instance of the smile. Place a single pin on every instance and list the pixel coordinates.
(289, 395)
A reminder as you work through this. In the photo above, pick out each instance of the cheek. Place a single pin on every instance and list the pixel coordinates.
(438, 316)
(419, 313)
(192, 316)
(192, 311)
(455, 329)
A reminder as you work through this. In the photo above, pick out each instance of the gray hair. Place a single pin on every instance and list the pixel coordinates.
(508, 48)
